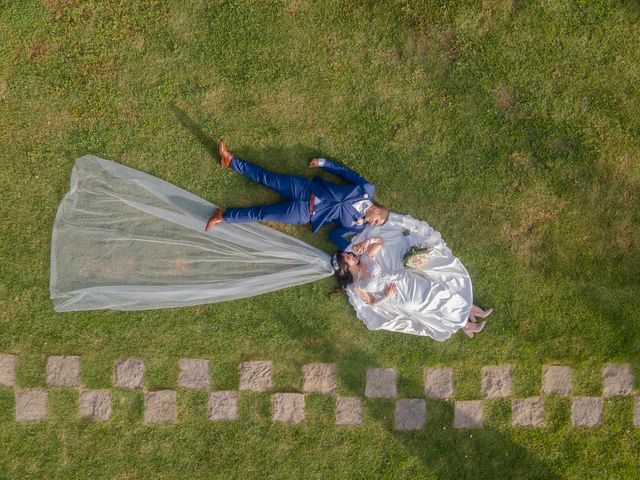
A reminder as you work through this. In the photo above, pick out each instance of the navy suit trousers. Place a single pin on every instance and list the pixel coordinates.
(296, 189)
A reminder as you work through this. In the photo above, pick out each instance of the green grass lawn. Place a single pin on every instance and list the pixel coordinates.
(513, 127)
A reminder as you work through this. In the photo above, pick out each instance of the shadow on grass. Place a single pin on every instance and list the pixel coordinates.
(210, 144)
(296, 156)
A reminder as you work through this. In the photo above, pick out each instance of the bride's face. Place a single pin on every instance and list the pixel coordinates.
(350, 259)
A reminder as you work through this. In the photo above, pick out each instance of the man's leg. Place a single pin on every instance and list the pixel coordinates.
(293, 211)
(289, 186)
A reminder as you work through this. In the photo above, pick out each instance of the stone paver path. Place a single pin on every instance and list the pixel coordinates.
(468, 414)
(255, 376)
(160, 407)
(410, 414)
(287, 407)
(223, 406)
(617, 380)
(586, 411)
(438, 382)
(528, 412)
(130, 373)
(381, 383)
(194, 373)
(319, 378)
(7, 370)
(31, 405)
(496, 381)
(95, 404)
(349, 411)
(63, 371)
(557, 380)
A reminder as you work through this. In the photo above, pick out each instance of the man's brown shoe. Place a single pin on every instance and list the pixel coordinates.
(225, 155)
(215, 219)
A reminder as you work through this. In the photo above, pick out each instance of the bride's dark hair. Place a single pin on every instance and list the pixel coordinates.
(341, 271)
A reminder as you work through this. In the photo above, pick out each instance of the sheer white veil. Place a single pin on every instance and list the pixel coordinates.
(125, 240)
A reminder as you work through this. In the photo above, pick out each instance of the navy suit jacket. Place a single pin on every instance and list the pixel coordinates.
(336, 203)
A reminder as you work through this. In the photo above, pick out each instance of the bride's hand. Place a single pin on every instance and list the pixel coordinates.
(390, 290)
(366, 297)
(360, 248)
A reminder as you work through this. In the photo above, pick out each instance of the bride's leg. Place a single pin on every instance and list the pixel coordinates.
(472, 328)
(476, 311)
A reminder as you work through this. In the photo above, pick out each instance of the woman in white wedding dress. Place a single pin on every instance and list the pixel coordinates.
(435, 300)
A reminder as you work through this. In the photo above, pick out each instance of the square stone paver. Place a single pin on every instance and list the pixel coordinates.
(381, 383)
(636, 419)
(63, 371)
(194, 373)
(528, 412)
(160, 407)
(223, 406)
(617, 380)
(256, 376)
(31, 405)
(438, 382)
(557, 379)
(586, 411)
(95, 404)
(7, 370)
(319, 378)
(496, 381)
(349, 411)
(130, 373)
(468, 414)
(287, 407)
(410, 414)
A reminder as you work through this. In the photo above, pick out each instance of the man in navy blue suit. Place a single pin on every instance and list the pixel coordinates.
(308, 201)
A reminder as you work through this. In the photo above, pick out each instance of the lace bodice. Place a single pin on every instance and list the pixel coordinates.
(377, 280)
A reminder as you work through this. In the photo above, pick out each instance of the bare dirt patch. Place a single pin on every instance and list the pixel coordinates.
(57, 8)
(138, 42)
(534, 215)
(447, 45)
(4, 89)
(417, 46)
(36, 49)
(505, 98)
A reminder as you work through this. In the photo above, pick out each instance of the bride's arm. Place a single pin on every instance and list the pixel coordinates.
(371, 299)
(366, 297)
(375, 244)
(368, 247)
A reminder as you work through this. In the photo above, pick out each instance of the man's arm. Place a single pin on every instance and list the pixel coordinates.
(338, 237)
(340, 170)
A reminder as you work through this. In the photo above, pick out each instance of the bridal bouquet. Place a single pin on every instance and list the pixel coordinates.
(416, 257)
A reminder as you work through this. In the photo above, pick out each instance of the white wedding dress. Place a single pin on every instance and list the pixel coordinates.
(432, 301)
